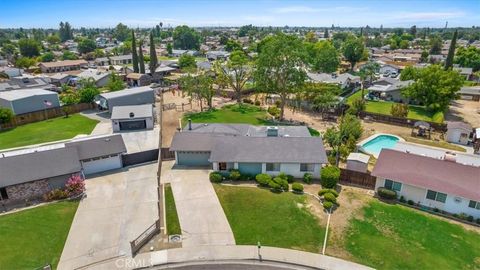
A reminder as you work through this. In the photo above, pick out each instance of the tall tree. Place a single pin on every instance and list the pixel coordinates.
(451, 51)
(121, 32)
(29, 47)
(367, 74)
(134, 53)
(468, 57)
(353, 50)
(342, 139)
(435, 45)
(322, 56)
(434, 87)
(186, 38)
(153, 64)
(278, 67)
(236, 71)
(141, 61)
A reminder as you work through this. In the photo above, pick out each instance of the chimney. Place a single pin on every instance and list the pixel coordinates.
(189, 124)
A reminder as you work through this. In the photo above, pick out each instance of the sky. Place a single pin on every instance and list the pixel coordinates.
(148, 13)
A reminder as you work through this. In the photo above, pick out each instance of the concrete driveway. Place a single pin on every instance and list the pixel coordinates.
(142, 140)
(119, 206)
(201, 216)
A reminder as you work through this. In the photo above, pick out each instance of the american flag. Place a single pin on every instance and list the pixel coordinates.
(47, 103)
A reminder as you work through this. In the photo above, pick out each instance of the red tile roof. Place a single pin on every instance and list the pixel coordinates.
(435, 174)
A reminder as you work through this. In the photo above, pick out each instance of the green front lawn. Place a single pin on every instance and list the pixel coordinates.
(396, 237)
(173, 225)
(277, 220)
(384, 107)
(245, 114)
(54, 129)
(33, 238)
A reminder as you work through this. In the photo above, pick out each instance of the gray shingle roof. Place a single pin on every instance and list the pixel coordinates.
(247, 130)
(39, 165)
(126, 92)
(139, 111)
(96, 147)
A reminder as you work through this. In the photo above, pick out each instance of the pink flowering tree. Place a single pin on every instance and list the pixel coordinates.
(75, 185)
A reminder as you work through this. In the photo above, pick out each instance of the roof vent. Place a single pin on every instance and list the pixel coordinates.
(132, 115)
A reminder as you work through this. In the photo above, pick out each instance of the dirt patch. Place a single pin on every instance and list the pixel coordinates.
(465, 110)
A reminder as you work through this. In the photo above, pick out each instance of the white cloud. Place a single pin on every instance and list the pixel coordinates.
(306, 9)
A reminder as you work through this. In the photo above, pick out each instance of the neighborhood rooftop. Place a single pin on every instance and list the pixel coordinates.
(24, 93)
(248, 130)
(426, 172)
(126, 92)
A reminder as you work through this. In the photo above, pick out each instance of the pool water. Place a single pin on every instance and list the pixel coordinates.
(376, 145)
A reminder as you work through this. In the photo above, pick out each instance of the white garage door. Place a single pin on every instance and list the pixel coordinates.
(101, 165)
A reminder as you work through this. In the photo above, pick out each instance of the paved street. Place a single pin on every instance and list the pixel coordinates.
(119, 206)
(201, 216)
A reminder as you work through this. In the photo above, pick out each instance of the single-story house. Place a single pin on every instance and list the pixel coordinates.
(31, 172)
(138, 79)
(458, 132)
(101, 78)
(11, 71)
(470, 93)
(28, 100)
(465, 72)
(102, 61)
(216, 55)
(430, 182)
(389, 89)
(389, 69)
(26, 82)
(135, 117)
(343, 80)
(130, 96)
(60, 66)
(58, 79)
(120, 60)
(271, 150)
(357, 162)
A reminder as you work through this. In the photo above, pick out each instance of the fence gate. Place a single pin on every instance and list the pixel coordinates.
(357, 178)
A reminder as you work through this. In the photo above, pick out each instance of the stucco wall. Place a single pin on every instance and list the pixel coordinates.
(357, 166)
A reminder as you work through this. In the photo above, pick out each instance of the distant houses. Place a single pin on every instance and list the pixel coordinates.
(62, 66)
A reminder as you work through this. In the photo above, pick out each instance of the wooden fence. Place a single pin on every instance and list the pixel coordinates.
(406, 122)
(355, 178)
(144, 237)
(36, 116)
(166, 154)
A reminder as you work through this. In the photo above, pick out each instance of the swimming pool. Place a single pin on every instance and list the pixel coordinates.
(374, 144)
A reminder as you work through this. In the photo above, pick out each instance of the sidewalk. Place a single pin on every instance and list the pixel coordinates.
(268, 254)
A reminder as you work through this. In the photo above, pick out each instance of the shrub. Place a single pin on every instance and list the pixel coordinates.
(307, 178)
(329, 177)
(327, 205)
(246, 100)
(287, 177)
(470, 218)
(358, 105)
(327, 190)
(478, 220)
(257, 103)
(274, 111)
(55, 194)
(386, 193)
(281, 182)
(274, 185)
(329, 197)
(462, 216)
(75, 185)
(410, 202)
(216, 177)
(402, 199)
(263, 179)
(399, 110)
(297, 187)
(234, 175)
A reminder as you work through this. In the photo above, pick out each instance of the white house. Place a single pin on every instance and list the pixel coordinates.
(458, 132)
(441, 183)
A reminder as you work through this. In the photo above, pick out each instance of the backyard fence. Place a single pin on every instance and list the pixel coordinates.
(166, 154)
(144, 237)
(355, 178)
(36, 116)
(388, 119)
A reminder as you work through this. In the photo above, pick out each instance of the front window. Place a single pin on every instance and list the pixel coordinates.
(392, 185)
(436, 196)
(273, 167)
(307, 167)
(474, 204)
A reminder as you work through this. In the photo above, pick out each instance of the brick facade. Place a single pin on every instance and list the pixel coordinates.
(28, 190)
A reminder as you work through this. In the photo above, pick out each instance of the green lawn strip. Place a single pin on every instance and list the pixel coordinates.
(173, 225)
(240, 114)
(54, 129)
(440, 144)
(277, 220)
(396, 237)
(34, 238)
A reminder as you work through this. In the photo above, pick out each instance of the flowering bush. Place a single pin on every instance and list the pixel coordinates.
(75, 185)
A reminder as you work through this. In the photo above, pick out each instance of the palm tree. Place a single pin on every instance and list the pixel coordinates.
(367, 74)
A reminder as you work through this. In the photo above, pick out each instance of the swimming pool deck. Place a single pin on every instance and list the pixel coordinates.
(372, 137)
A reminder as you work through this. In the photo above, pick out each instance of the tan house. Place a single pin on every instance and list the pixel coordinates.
(61, 66)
